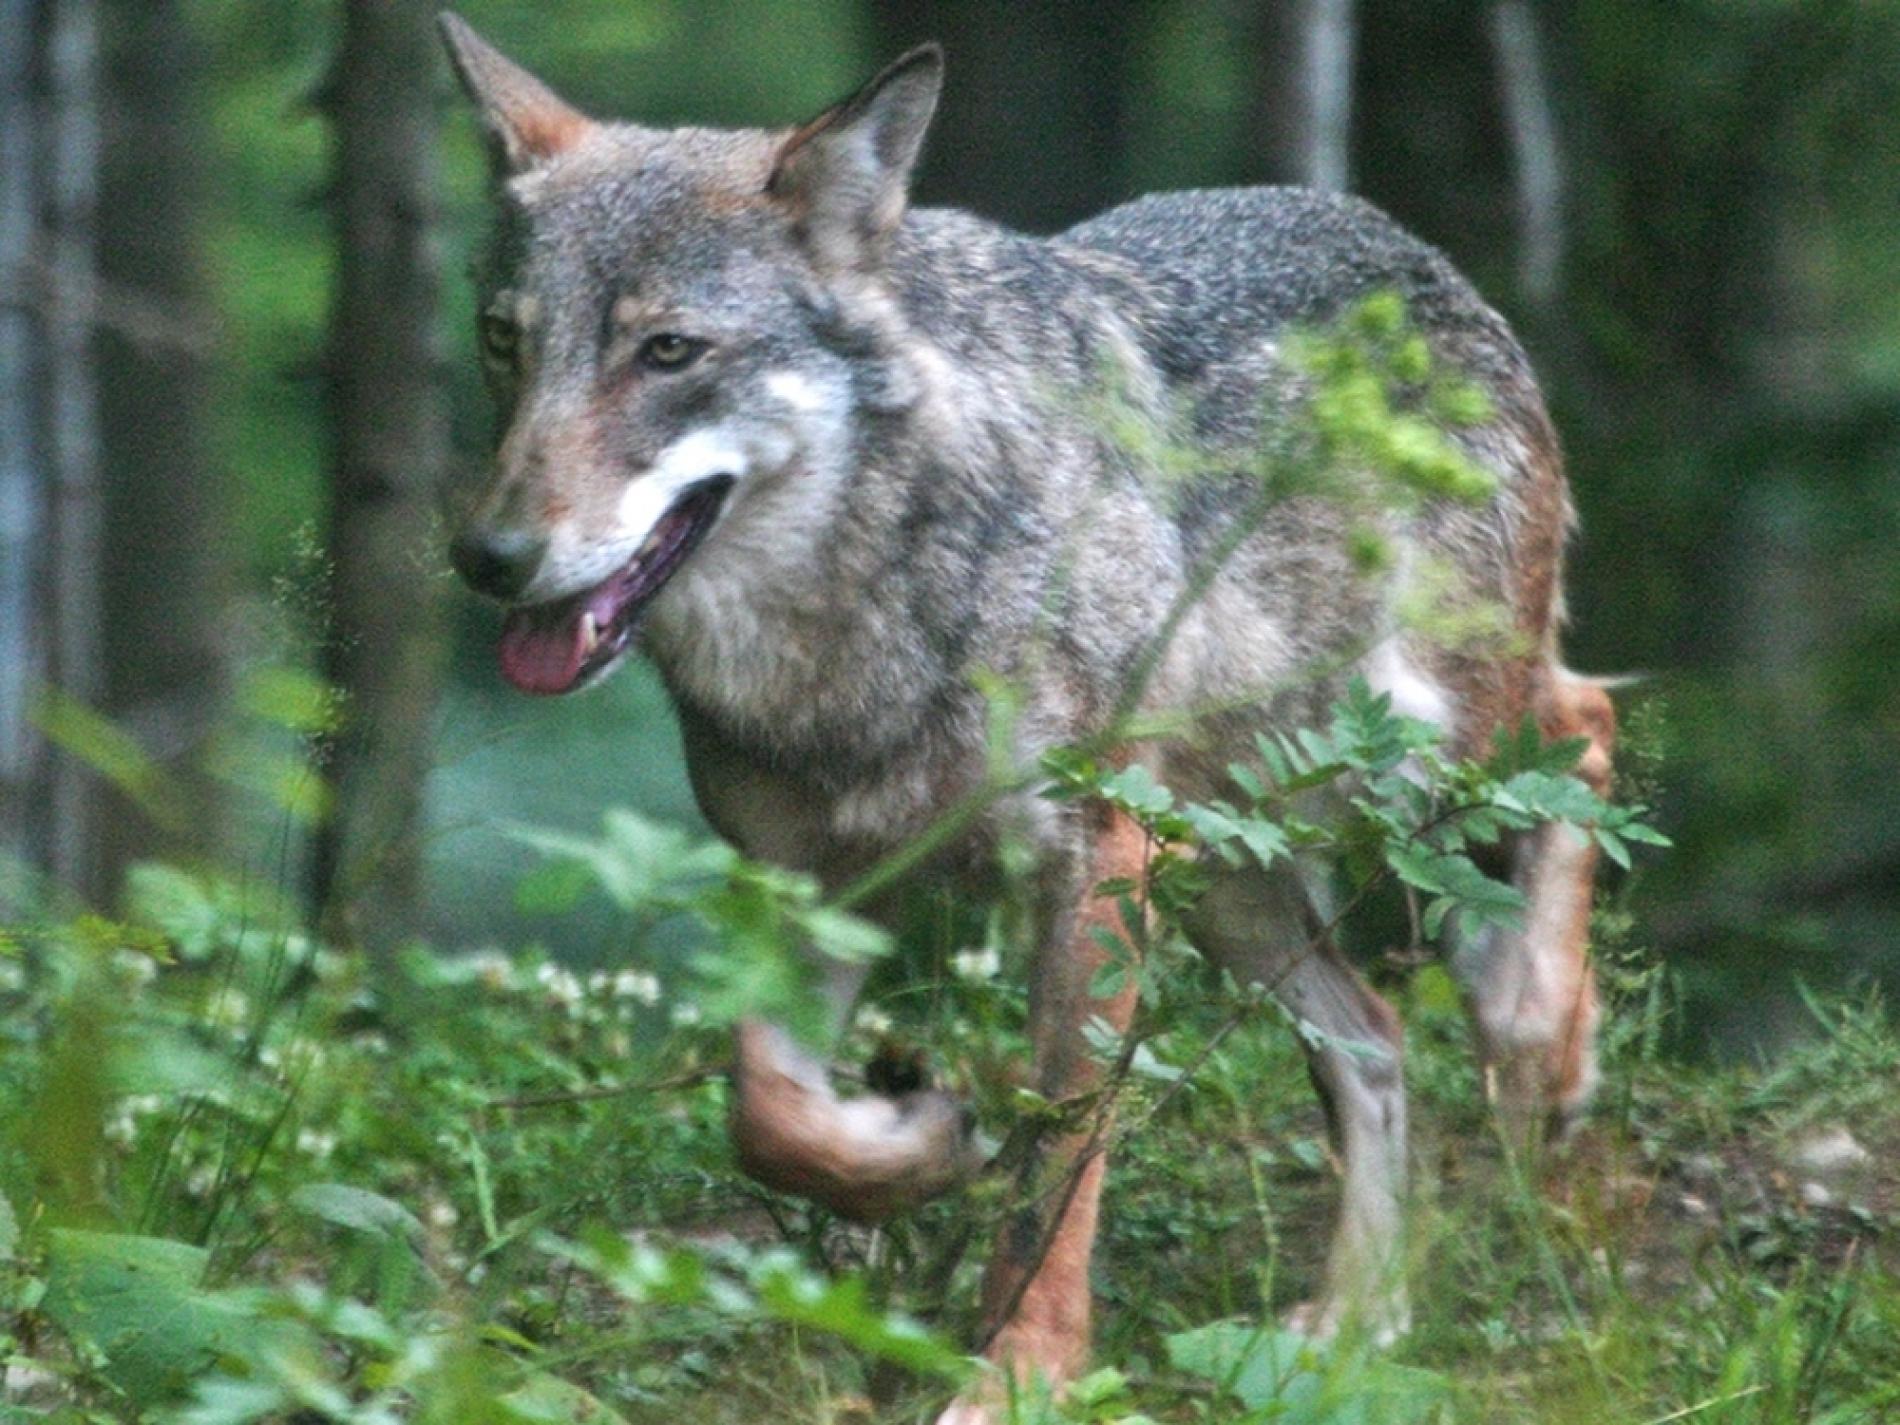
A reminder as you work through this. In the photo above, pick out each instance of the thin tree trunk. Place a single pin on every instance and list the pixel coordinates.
(1305, 110)
(1531, 121)
(164, 584)
(22, 490)
(72, 169)
(1032, 126)
(390, 449)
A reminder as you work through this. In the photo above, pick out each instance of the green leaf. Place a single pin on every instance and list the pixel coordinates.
(1633, 830)
(549, 1400)
(1255, 1365)
(789, 1292)
(1612, 846)
(1287, 1378)
(1455, 878)
(135, 1300)
(291, 698)
(636, 860)
(113, 753)
(175, 903)
(359, 1210)
(553, 887)
(844, 936)
(1135, 788)
(1218, 823)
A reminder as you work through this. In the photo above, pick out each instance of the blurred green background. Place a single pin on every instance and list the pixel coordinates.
(1690, 209)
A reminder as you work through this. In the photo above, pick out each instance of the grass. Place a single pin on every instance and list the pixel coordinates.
(487, 1189)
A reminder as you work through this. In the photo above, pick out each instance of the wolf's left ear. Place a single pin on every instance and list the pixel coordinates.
(528, 122)
(846, 174)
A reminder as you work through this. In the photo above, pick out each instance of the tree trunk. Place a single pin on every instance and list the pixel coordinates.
(1031, 130)
(1531, 121)
(164, 583)
(1305, 109)
(22, 482)
(390, 447)
(71, 155)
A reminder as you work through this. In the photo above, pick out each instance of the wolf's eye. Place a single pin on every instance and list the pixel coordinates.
(669, 351)
(499, 338)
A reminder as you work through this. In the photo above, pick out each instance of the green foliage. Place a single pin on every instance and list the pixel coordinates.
(1278, 1375)
(1412, 814)
(756, 919)
(1380, 405)
(479, 1188)
(134, 1305)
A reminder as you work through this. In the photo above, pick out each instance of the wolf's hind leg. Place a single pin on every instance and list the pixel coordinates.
(1263, 928)
(1531, 990)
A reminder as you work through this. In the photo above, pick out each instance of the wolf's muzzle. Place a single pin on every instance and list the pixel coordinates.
(497, 562)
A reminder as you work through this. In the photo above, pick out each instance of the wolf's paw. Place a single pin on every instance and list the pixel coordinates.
(1321, 1321)
(864, 1158)
(969, 1412)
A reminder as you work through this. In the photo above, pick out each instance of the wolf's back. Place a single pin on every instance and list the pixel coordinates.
(1233, 264)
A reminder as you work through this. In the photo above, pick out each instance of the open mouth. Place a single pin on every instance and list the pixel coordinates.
(556, 646)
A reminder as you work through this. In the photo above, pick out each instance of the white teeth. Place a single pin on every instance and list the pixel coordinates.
(590, 634)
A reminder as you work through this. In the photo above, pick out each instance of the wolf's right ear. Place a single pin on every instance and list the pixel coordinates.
(845, 176)
(527, 122)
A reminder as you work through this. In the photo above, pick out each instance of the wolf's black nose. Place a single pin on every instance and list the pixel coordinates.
(497, 562)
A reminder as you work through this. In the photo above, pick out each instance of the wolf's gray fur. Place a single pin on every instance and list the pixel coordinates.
(958, 451)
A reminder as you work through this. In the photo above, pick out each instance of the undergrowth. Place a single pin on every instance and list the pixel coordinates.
(248, 1177)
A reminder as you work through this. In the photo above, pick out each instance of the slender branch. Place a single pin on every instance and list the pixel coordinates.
(692, 1078)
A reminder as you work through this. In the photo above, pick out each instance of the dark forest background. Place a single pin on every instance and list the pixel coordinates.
(236, 366)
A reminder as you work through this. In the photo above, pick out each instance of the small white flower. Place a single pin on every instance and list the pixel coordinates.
(371, 1042)
(598, 981)
(200, 1181)
(316, 1143)
(492, 970)
(12, 976)
(302, 1053)
(230, 1007)
(685, 1013)
(442, 1214)
(140, 969)
(637, 985)
(873, 1020)
(562, 985)
(976, 964)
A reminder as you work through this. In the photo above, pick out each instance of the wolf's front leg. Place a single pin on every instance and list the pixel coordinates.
(1036, 1306)
(865, 1158)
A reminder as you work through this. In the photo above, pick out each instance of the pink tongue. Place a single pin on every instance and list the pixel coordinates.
(541, 648)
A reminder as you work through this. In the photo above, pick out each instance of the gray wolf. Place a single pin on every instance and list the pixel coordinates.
(825, 457)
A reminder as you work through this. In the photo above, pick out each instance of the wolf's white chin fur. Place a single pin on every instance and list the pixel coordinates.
(579, 558)
(697, 456)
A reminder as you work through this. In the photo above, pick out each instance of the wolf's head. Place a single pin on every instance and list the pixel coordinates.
(660, 321)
